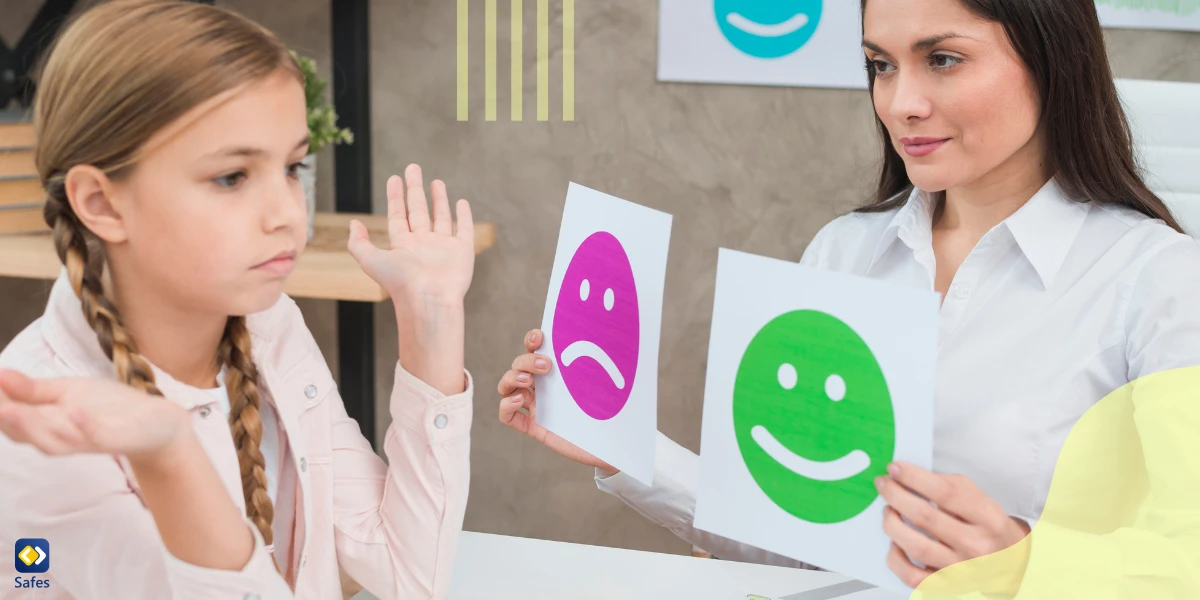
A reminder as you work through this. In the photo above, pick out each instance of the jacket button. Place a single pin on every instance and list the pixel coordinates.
(310, 392)
(205, 412)
(304, 560)
(303, 464)
(252, 597)
(440, 421)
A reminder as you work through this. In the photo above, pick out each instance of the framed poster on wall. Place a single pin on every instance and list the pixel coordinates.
(1181, 15)
(785, 42)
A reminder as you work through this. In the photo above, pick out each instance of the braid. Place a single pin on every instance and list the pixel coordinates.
(83, 256)
(241, 380)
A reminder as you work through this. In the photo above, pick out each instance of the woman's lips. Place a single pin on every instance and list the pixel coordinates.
(922, 146)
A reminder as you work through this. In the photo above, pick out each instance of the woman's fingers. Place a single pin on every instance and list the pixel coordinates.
(418, 206)
(955, 494)
(442, 221)
(510, 412)
(513, 381)
(910, 574)
(916, 545)
(923, 515)
(538, 364)
(533, 340)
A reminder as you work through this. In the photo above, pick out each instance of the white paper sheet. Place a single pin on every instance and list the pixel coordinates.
(787, 42)
(1182, 15)
(813, 372)
(602, 324)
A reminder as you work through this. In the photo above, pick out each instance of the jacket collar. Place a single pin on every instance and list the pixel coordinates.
(74, 341)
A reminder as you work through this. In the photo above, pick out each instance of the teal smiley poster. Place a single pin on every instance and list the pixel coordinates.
(816, 381)
(768, 42)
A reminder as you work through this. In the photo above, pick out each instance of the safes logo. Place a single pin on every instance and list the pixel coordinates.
(31, 555)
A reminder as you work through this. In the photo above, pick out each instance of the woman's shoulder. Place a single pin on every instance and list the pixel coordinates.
(1149, 240)
(841, 241)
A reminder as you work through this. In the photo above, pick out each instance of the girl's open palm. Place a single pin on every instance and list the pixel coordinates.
(427, 260)
(75, 415)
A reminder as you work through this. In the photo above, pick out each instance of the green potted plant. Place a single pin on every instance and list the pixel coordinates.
(322, 130)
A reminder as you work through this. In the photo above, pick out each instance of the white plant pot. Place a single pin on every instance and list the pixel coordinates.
(308, 181)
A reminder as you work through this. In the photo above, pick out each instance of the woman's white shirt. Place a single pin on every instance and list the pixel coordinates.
(1054, 308)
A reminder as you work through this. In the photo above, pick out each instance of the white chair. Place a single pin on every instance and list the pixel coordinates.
(1165, 118)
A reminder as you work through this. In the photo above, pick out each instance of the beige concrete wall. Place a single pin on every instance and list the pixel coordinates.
(752, 168)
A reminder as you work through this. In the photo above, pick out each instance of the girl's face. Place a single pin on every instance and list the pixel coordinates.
(957, 100)
(213, 214)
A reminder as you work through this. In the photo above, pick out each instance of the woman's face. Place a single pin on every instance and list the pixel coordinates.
(957, 100)
(214, 199)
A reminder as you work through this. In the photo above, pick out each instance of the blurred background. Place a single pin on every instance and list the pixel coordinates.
(753, 168)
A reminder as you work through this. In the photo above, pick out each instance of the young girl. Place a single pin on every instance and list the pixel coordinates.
(169, 424)
(1009, 186)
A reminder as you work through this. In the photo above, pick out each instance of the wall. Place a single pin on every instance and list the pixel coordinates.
(751, 168)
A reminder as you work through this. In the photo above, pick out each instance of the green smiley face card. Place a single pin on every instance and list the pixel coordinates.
(816, 381)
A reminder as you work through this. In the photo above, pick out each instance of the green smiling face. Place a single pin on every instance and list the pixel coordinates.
(813, 416)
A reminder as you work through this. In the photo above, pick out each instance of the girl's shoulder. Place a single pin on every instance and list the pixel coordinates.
(30, 353)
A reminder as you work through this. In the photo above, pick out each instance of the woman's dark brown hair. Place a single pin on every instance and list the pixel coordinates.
(1088, 141)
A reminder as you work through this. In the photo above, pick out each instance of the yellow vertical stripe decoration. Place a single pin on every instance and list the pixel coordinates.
(543, 60)
(463, 63)
(568, 81)
(489, 75)
(517, 63)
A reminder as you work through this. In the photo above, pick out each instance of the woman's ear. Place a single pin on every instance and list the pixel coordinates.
(91, 194)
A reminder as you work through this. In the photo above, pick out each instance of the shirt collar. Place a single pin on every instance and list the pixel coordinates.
(912, 224)
(1045, 228)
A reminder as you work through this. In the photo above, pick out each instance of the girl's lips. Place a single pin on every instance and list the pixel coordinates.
(282, 264)
(922, 146)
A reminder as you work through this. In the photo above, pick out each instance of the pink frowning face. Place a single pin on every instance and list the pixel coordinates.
(595, 333)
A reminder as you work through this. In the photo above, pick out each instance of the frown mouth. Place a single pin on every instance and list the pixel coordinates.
(853, 463)
(791, 25)
(584, 348)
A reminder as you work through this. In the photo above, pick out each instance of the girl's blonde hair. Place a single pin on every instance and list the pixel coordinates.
(120, 73)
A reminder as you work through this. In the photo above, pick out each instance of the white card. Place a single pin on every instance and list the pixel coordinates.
(602, 324)
(816, 381)
(785, 42)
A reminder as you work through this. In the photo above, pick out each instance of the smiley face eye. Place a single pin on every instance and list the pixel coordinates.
(786, 376)
(585, 289)
(835, 387)
(609, 299)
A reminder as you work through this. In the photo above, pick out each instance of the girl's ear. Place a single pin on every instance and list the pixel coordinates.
(91, 194)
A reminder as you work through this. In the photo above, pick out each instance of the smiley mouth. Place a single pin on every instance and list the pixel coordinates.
(789, 26)
(584, 348)
(853, 463)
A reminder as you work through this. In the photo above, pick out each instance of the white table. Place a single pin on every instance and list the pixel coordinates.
(494, 567)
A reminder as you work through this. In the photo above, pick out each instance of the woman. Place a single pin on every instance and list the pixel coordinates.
(1009, 186)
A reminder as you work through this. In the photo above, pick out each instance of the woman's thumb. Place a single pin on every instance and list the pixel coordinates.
(19, 387)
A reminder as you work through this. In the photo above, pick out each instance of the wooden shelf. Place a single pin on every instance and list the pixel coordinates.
(325, 269)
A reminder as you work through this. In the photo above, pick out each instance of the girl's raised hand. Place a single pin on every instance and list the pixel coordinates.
(87, 416)
(426, 260)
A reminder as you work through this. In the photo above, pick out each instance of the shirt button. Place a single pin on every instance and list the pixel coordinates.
(962, 292)
(440, 421)
(252, 597)
(310, 392)
(205, 412)
(303, 464)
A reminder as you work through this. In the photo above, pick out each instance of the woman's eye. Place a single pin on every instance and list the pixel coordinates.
(943, 61)
(879, 67)
(231, 180)
(295, 168)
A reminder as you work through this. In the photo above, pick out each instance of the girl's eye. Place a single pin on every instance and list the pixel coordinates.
(231, 180)
(295, 168)
(943, 61)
